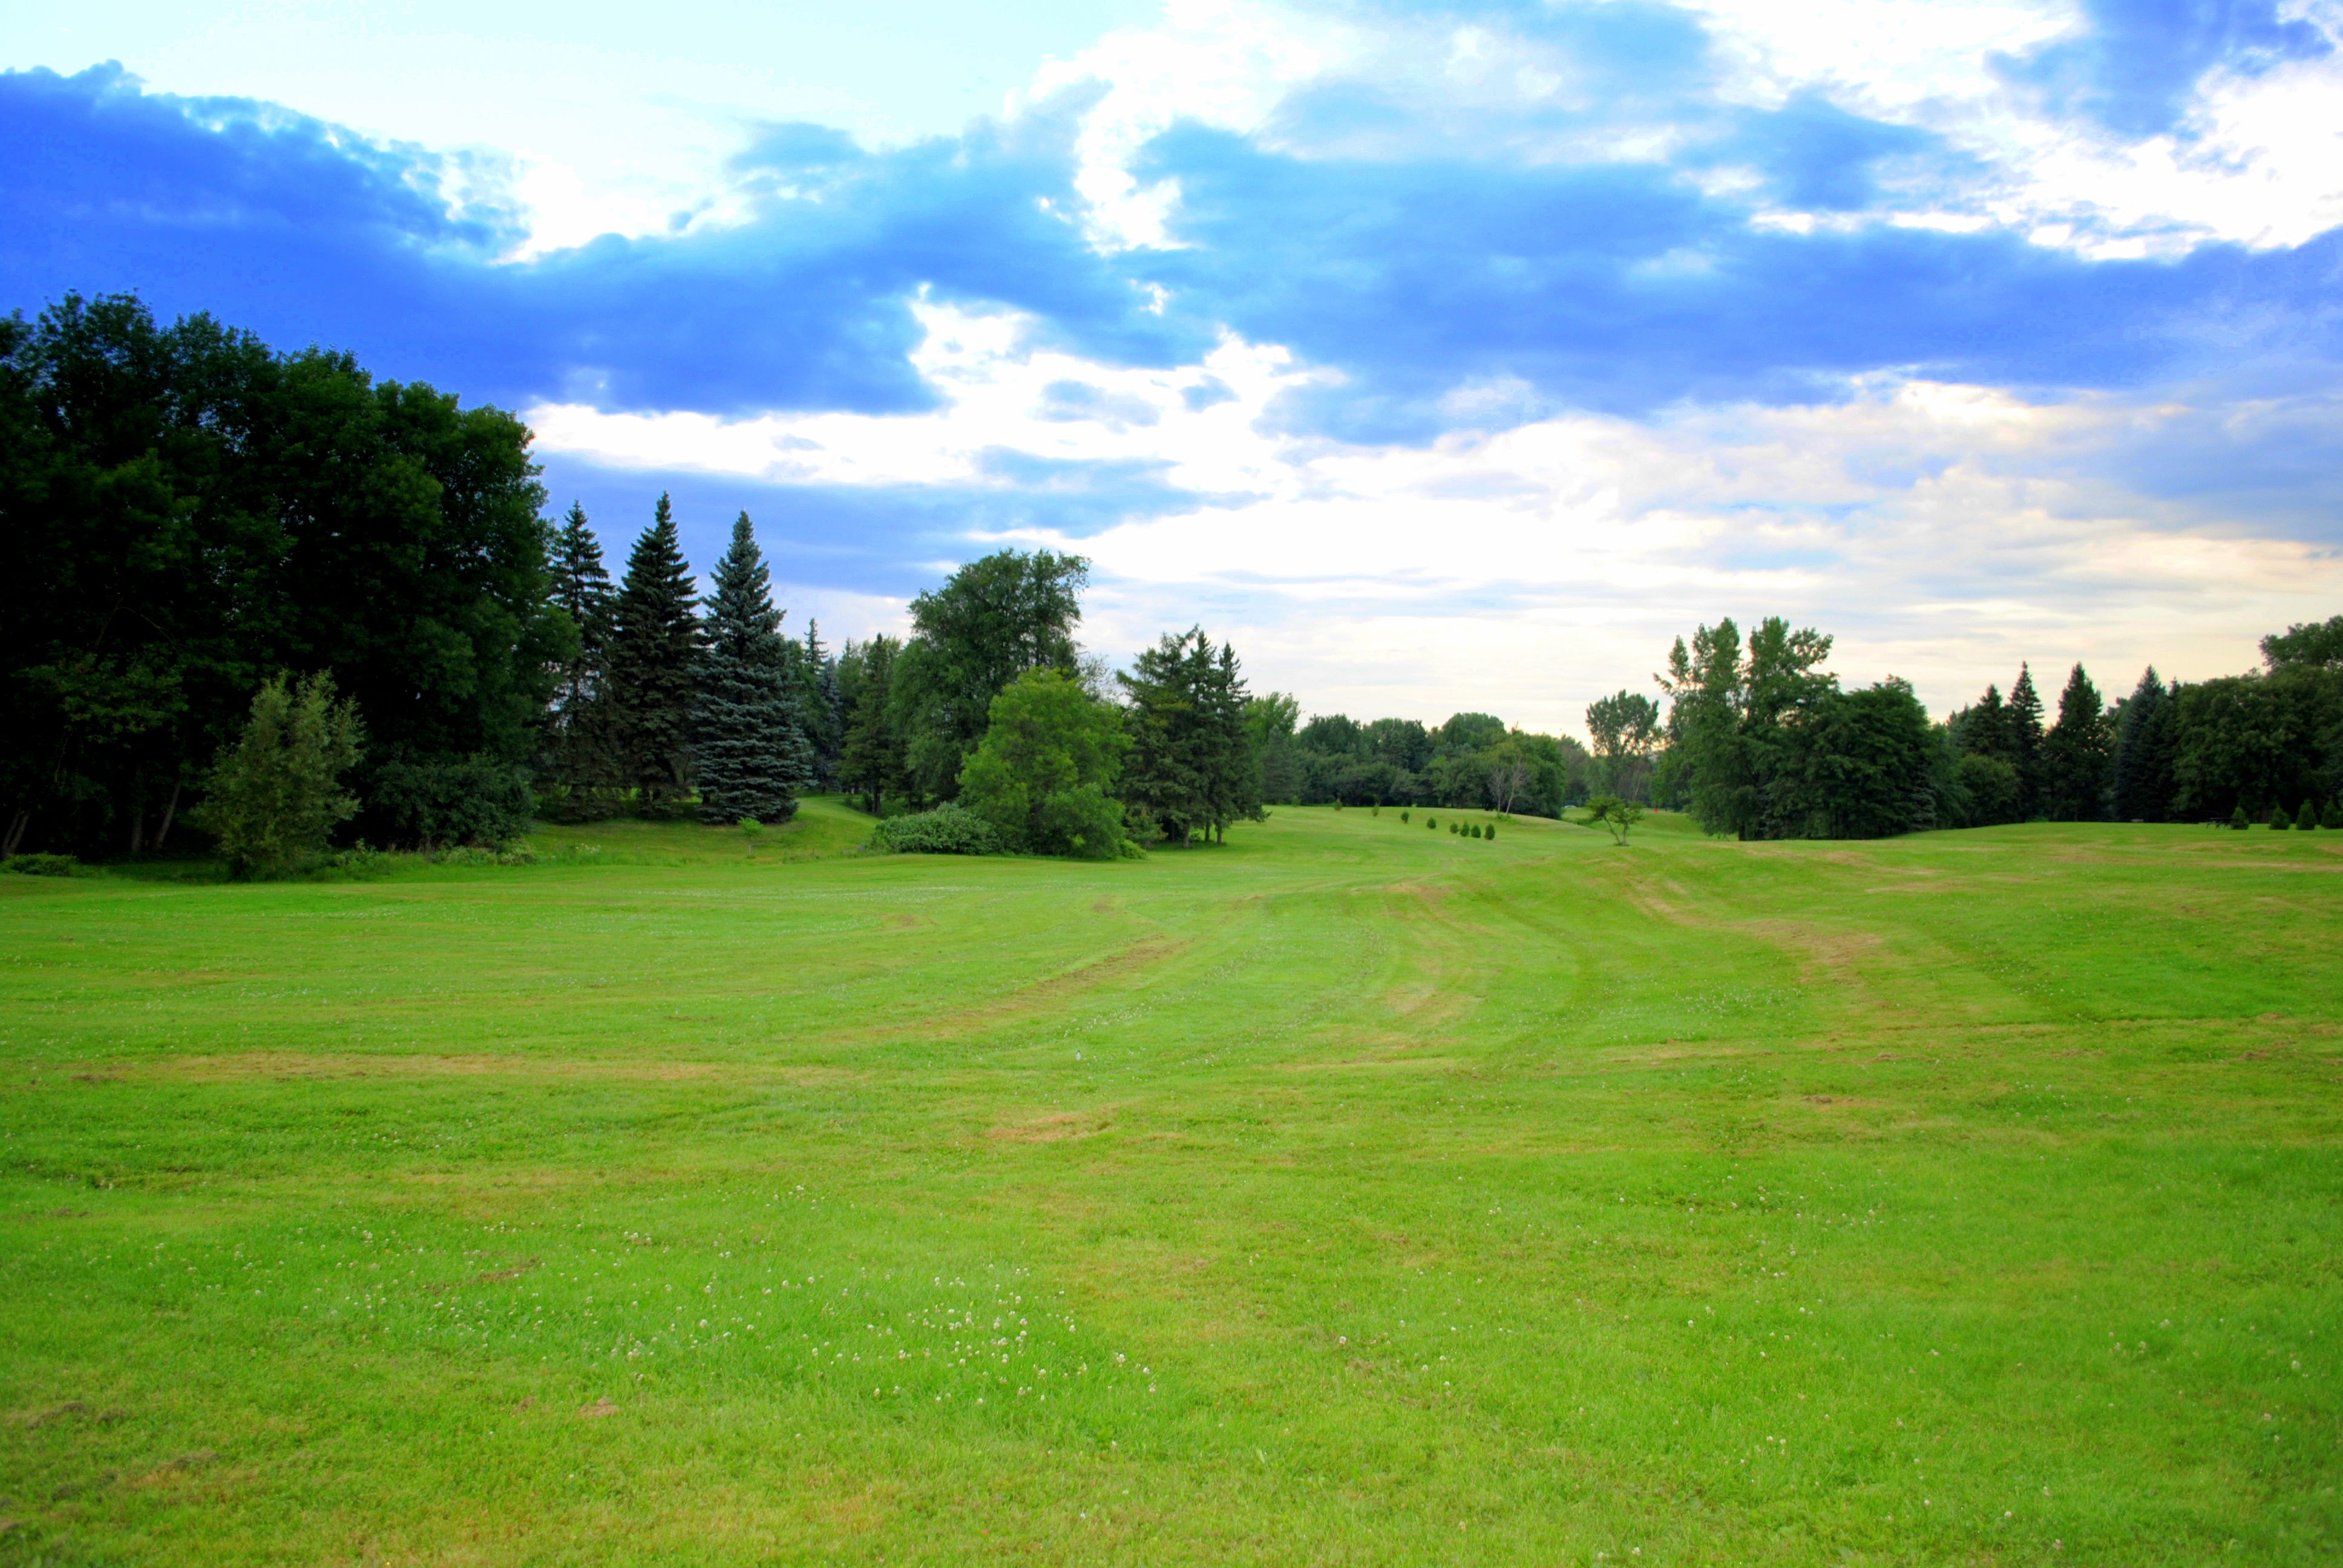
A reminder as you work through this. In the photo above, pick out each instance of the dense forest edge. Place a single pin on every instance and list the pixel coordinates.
(267, 608)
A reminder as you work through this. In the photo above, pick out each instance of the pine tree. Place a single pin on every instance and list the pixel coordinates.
(579, 763)
(749, 743)
(2023, 726)
(824, 721)
(654, 643)
(2076, 755)
(1193, 767)
(870, 763)
(2145, 741)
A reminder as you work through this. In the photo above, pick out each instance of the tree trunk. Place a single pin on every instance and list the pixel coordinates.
(139, 826)
(169, 811)
(16, 826)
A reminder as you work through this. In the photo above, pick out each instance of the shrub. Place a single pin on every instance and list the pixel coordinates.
(450, 800)
(275, 793)
(2280, 821)
(1455, 828)
(1431, 822)
(949, 829)
(2333, 817)
(1403, 816)
(2237, 819)
(361, 863)
(47, 866)
(1473, 831)
(1489, 832)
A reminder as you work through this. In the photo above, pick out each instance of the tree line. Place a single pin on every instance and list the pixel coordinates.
(1761, 742)
(1472, 761)
(192, 513)
(236, 565)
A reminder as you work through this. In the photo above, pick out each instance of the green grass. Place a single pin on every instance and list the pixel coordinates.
(1349, 1194)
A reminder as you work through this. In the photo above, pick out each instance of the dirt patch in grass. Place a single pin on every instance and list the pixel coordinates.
(1057, 1127)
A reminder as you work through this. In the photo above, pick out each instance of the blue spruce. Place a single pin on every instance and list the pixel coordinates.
(748, 736)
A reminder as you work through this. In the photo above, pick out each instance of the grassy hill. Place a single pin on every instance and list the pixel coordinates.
(1351, 1193)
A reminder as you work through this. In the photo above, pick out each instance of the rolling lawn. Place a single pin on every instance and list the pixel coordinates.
(1350, 1193)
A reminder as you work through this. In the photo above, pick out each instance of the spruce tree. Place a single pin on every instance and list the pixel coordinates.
(2076, 755)
(818, 704)
(579, 763)
(1193, 766)
(2023, 726)
(870, 763)
(2143, 776)
(654, 643)
(748, 742)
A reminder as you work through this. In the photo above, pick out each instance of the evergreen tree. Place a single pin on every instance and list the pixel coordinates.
(654, 643)
(1192, 765)
(2077, 754)
(1984, 730)
(578, 765)
(831, 711)
(2023, 725)
(749, 746)
(815, 675)
(2145, 742)
(870, 763)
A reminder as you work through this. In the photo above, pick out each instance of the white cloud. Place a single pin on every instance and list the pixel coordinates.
(1943, 532)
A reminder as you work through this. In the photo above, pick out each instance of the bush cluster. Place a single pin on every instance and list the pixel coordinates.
(48, 865)
(949, 829)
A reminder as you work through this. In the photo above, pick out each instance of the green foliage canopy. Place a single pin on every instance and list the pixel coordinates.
(1044, 773)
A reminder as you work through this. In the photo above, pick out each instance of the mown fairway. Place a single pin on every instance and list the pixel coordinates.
(1353, 1193)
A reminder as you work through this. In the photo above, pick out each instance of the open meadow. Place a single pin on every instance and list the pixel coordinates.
(1350, 1193)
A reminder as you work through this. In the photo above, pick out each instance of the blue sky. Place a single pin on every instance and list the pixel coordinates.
(1442, 356)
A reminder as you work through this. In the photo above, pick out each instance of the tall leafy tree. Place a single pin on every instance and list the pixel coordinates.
(1624, 727)
(654, 646)
(1270, 721)
(2308, 645)
(1731, 718)
(749, 752)
(1044, 774)
(870, 763)
(193, 512)
(1855, 766)
(991, 622)
(2249, 742)
(2076, 755)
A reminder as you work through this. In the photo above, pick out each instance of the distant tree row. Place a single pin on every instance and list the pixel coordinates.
(245, 577)
(1474, 761)
(1761, 742)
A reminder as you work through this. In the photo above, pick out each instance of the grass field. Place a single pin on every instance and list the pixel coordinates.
(1350, 1193)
